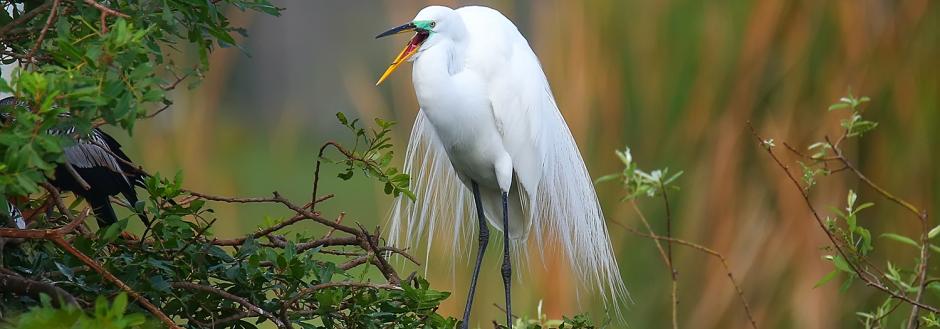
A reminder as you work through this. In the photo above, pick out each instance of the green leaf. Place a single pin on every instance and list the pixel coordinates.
(933, 232)
(837, 106)
(825, 279)
(840, 264)
(607, 178)
(901, 239)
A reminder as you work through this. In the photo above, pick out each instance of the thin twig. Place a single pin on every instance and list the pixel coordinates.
(105, 9)
(221, 293)
(672, 266)
(158, 111)
(279, 199)
(20, 21)
(921, 215)
(854, 267)
(667, 260)
(78, 178)
(42, 33)
(339, 219)
(719, 256)
(383, 265)
(659, 246)
(316, 171)
(14, 283)
(259, 234)
(57, 236)
(65, 245)
(497, 306)
(290, 303)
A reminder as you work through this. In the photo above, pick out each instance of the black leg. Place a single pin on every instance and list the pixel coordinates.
(507, 267)
(484, 240)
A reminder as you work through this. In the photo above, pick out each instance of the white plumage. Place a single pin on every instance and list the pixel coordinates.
(488, 115)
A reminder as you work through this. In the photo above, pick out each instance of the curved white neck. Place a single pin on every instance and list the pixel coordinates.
(443, 58)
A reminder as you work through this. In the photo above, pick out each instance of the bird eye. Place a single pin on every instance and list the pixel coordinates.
(433, 24)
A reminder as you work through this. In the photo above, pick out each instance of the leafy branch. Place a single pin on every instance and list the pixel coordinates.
(637, 183)
(852, 242)
(370, 154)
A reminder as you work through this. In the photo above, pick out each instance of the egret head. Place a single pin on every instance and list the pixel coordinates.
(430, 25)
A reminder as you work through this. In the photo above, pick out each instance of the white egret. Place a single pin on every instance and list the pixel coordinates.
(488, 120)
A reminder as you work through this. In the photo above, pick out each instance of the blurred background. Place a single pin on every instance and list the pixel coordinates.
(675, 80)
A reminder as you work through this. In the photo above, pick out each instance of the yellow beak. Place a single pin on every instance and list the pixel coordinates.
(404, 55)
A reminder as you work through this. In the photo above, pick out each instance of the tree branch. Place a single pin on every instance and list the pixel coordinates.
(20, 21)
(16, 284)
(854, 267)
(221, 293)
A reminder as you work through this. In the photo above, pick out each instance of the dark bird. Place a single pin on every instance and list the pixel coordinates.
(14, 218)
(95, 168)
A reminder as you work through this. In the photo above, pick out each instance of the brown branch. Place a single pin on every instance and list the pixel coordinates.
(198, 237)
(59, 240)
(921, 215)
(158, 111)
(354, 262)
(290, 303)
(20, 21)
(240, 300)
(912, 321)
(854, 267)
(721, 258)
(78, 178)
(277, 198)
(402, 253)
(659, 246)
(16, 284)
(497, 306)
(387, 270)
(57, 236)
(269, 230)
(339, 219)
(316, 172)
(802, 155)
(259, 234)
(45, 28)
(105, 10)
(672, 266)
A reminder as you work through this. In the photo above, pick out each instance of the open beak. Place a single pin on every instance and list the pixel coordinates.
(410, 49)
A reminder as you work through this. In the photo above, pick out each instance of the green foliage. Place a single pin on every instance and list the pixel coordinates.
(853, 240)
(113, 66)
(180, 248)
(105, 316)
(372, 155)
(541, 321)
(638, 182)
(99, 68)
(854, 125)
